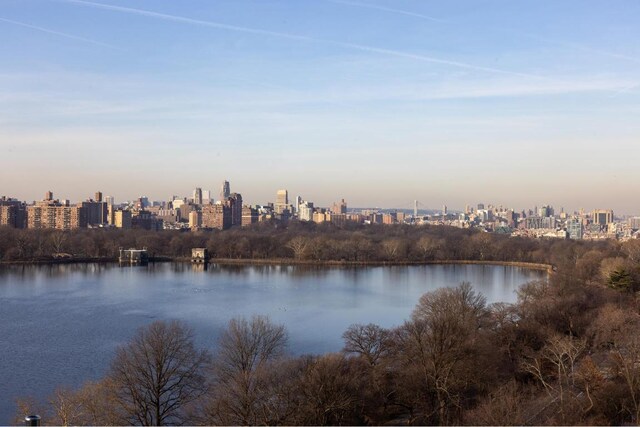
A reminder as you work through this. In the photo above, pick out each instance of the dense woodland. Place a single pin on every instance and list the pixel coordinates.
(567, 352)
(302, 241)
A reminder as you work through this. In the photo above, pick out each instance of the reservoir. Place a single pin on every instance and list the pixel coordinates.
(60, 324)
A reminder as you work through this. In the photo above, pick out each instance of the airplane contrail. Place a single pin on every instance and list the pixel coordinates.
(568, 45)
(59, 33)
(250, 30)
(576, 46)
(386, 9)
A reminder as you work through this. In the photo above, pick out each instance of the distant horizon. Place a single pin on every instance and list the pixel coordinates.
(379, 102)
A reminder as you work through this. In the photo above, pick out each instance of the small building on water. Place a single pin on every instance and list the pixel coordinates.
(134, 256)
(199, 255)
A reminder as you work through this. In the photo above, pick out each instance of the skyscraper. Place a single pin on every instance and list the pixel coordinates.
(206, 197)
(339, 207)
(225, 192)
(282, 201)
(305, 211)
(298, 203)
(234, 201)
(197, 196)
(602, 216)
(109, 200)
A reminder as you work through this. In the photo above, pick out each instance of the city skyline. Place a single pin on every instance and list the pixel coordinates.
(281, 197)
(377, 102)
(200, 213)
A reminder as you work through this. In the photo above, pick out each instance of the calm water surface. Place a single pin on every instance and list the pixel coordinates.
(60, 324)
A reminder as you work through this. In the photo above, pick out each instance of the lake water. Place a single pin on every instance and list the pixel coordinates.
(60, 324)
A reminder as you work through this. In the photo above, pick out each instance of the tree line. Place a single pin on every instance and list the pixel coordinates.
(301, 241)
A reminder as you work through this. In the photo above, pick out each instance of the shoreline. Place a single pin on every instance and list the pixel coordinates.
(230, 261)
(285, 261)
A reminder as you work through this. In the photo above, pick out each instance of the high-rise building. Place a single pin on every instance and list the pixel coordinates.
(249, 216)
(206, 197)
(197, 196)
(97, 212)
(98, 197)
(225, 192)
(122, 219)
(574, 228)
(545, 211)
(602, 216)
(195, 219)
(177, 203)
(145, 220)
(234, 202)
(305, 211)
(216, 216)
(339, 207)
(320, 216)
(634, 223)
(142, 203)
(390, 218)
(298, 203)
(13, 213)
(48, 196)
(109, 200)
(184, 210)
(282, 201)
(53, 214)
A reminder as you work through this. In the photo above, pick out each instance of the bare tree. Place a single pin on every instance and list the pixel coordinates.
(554, 367)
(58, 240)
(625, 356)
(158, 373)
(369, 341)
(330, 392)
(440, 340)
(481, 243)
(393, 248)
(299, 245)
(246, 351)
(632, 249)
(504, 406)
(99, 403)
(67, 407)
(428, 247)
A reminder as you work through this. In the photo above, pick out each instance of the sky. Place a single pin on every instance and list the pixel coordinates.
(379, 102)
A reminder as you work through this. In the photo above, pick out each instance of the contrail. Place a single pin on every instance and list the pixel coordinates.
(575, 46)
(58, 33)
(568, 45)
(290, 36)
(386, 9)
(193, 21)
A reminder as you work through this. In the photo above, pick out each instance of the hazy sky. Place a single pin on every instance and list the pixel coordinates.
(379, 102)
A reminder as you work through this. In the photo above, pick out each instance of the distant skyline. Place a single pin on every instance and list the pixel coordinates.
(377, 102)
(407, 205)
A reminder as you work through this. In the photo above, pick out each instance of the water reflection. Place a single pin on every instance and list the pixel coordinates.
(198, 267)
